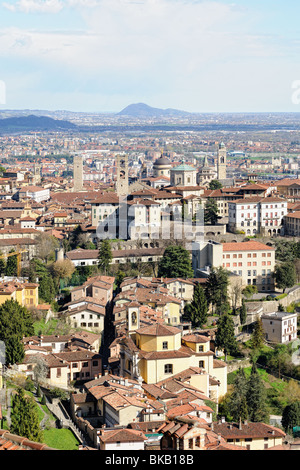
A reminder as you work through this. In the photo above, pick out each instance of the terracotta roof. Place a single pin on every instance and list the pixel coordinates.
(195, 338)
(247, 430)
(10, 441)
(247, 246)
(121, 435)
(293, 215)
(158, 330)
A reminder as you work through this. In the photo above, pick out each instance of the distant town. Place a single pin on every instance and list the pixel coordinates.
(150, 280)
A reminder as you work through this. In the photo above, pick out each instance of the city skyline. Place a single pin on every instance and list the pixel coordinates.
(197, 56)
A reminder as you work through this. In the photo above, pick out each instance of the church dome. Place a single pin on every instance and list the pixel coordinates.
(161, 161)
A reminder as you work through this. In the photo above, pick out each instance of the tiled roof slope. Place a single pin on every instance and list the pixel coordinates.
(10, 441)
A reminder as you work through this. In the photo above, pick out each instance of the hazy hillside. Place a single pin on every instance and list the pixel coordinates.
(143, 110)
(34, 123)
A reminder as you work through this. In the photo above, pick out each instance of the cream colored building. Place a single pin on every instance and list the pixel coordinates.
(280, 327)
(291, 224)
(251, 436)
(159, 351)
(253, 261)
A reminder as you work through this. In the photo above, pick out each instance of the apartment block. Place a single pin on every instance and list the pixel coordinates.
(256, 215)
(253, 261)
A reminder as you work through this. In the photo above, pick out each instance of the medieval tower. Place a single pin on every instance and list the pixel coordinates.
(221, 162)
(77, 173)
(122, 175)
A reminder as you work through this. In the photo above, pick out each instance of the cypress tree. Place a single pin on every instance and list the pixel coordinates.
(258, 335)
(196, 311)
(256, 397)
(24, 417)
(238, 399)
(225, 338)
(105, 255)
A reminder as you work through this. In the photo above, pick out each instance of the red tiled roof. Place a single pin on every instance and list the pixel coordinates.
(247, 246)
(10, 441)
(121, 435)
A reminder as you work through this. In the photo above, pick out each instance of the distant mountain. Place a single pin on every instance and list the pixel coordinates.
(143, 110)
(34, 123)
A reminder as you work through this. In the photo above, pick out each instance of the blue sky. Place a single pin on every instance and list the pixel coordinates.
(101, 55)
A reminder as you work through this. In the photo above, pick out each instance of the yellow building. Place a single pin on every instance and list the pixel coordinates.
(26, 293)
(159, 351)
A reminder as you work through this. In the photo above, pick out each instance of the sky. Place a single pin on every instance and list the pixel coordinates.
(193, 55)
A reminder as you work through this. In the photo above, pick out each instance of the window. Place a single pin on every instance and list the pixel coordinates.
(165, 345)
(168, 368)
(201, 364)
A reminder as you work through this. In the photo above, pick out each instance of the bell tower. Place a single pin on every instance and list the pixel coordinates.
(77, 173)
(133, 317)
(221, 162)
(122, 175)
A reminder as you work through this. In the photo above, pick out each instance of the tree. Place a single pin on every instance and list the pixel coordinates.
(196, 311)
(15, 322)
(175, 262)
(216, 290)
(258, 335)
(12, 265)
(25, 418)
(215, 184)
(243, 313)
(40, 273)
(225, 337)
(297, 268)
(77, 238)
(256, 397)
(291, 417)
(211, 212)
(238, 400)
(2, 264)
(46, 245)
(40, 369)
(47, 289)
(279, 358)
(249, 290)
(236, 293)
(285, 275)
(63, 269)
(120, 276)
(104, 255)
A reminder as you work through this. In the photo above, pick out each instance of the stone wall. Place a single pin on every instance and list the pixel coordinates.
(272, 305)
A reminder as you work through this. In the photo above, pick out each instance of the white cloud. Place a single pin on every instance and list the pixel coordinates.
(185, 50)
(35, 6)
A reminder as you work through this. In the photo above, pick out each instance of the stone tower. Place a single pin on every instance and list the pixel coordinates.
(77, 173)
(37, 173)
(221, 162)
(122, 175)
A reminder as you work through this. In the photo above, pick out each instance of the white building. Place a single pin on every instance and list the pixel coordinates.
(253, 262)
(280, 327)
(144, 219)
(37, 193)
(253, 215)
